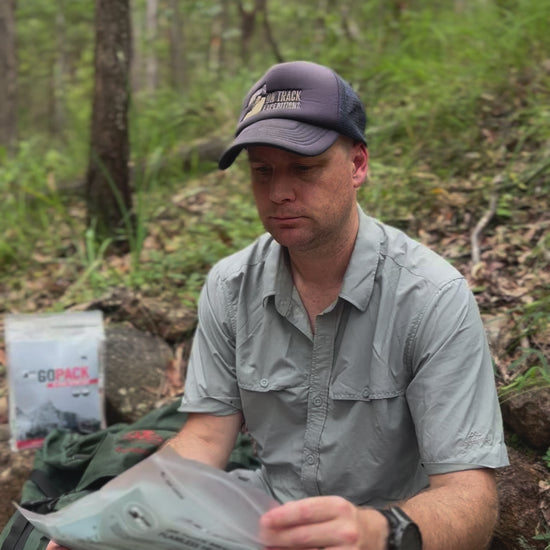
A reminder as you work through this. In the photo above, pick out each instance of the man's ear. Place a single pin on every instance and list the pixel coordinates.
(360, 159)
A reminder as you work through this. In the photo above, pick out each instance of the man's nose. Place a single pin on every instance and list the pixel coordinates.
(281, 189)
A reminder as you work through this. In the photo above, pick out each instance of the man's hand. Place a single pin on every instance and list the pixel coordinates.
(53, 546)
(459, 510)
(323, 522)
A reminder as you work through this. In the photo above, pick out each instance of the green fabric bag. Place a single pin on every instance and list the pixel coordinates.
(70, 465)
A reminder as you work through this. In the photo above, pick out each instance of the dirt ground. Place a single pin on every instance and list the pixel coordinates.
(14, 466)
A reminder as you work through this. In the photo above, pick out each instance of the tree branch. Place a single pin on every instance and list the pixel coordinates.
(481, 225)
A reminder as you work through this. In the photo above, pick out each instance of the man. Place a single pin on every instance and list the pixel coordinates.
(355, 357)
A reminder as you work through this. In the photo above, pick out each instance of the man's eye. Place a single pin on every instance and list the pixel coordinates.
(261, 170)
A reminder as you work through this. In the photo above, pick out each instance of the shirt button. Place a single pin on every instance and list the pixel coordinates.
(310, 459)
(317, 401)
(365, 393)
(264, 382)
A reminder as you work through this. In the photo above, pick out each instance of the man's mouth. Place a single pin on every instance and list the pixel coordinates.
(285, 217)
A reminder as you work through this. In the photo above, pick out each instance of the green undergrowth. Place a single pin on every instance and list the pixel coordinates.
(453, 100)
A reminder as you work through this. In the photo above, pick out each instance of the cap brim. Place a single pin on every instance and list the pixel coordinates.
(291, 135)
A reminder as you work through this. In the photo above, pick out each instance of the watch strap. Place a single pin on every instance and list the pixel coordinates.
(398, 521)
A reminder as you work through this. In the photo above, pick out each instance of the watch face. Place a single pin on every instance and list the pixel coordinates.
(411, 539)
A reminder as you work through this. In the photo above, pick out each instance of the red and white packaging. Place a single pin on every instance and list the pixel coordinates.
(55, 374)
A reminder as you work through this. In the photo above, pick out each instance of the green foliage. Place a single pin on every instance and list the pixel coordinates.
(536, 314)
(432, 81)
(55, 66)
(30, 200)
(535, 377)
(531, 370)
(544, 537)
(436, 66)
(199, 247)
(90, 254)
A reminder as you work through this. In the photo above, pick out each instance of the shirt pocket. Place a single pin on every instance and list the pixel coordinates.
(367, 382)
(271, 385)
(368, 417)
(276, 364)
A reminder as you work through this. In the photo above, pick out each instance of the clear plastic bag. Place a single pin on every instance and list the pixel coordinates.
(164, 502)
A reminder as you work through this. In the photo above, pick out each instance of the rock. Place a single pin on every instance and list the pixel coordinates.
(135, 372)
(528, 415)
(172, 324)
(208, 149)
(524, 499)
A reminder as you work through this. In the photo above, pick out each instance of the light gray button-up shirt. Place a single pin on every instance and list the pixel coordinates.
(395, 384)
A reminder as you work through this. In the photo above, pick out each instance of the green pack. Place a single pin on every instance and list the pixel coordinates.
(70, 465)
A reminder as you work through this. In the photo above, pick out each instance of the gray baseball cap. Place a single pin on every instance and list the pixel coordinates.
(298, 106)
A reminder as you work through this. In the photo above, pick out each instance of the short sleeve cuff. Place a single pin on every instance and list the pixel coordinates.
(211, 405)
(433, 468)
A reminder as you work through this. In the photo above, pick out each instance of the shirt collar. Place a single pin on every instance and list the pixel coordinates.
(277, 277)
(359, 278)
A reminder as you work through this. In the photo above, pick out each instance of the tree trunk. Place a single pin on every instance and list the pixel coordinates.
(108, 197)
(351, 30)
(268, 33)
(248, 25)
(136, 68)
(8, 76)
(248, 29)
(151, 66)
(59, 72)
(216, 46)
(178, 63)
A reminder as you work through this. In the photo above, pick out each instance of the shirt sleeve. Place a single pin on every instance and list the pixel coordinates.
(210, 385)
(452, 396)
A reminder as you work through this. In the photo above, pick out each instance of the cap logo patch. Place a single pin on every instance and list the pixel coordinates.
(256, 102)
(280, 99)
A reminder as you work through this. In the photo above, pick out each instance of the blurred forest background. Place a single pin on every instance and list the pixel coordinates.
(112, 115)
(119, 107)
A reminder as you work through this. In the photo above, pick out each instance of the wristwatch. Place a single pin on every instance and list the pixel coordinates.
(404, 533)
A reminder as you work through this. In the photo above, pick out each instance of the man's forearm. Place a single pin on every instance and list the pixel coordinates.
(458, 511)
(208, 439)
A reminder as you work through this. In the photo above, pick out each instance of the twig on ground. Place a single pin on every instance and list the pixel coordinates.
(503, 371)
(480, 226)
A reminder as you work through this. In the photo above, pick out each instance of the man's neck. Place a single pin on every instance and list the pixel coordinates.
(326, 265)
(318, 275)
(320, 270)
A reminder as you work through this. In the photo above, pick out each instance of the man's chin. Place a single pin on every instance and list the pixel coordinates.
(292, 242)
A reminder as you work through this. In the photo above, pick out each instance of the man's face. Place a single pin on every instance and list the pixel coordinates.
(308, 203)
